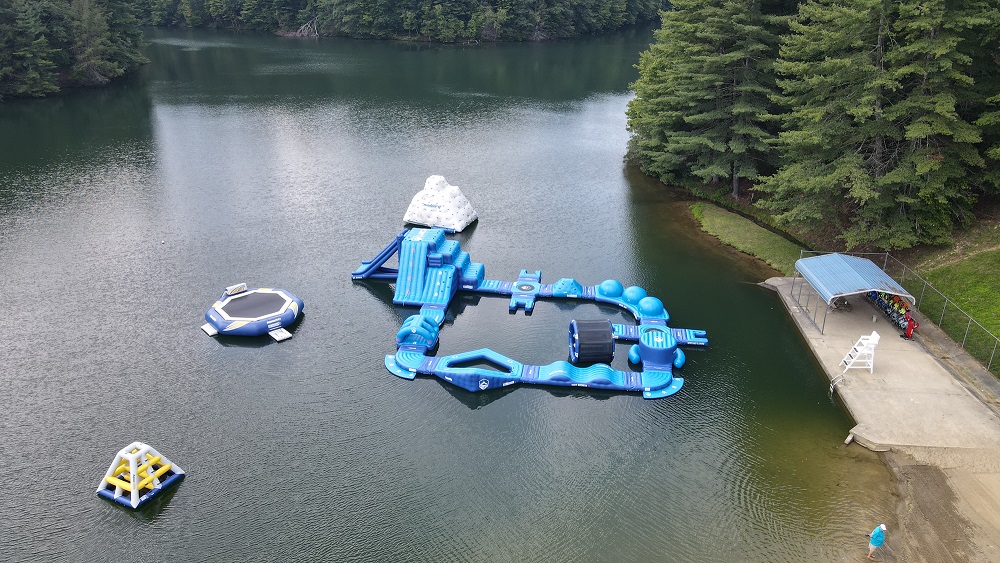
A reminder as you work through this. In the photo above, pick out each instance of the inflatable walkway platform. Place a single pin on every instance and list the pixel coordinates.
(431, 269)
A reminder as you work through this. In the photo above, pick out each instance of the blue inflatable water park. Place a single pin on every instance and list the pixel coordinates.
(432, 269)
(253, 312)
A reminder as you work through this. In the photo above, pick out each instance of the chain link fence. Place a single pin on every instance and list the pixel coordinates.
(979, 342)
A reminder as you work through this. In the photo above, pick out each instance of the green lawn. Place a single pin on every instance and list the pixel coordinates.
(747, 236)
(973, 284)
(967, 273)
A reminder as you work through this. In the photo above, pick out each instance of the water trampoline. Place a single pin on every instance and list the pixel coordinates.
(432, 268)
(253, 312)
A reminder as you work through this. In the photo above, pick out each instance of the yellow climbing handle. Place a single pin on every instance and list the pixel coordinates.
(156, 475)
(119, 483)
(152, 460)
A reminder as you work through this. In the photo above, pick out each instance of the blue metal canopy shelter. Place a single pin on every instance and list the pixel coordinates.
(839, 275)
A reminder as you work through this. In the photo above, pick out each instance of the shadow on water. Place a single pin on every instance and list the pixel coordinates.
(459, 304)
(462, 237)
(151, 510)
(380, 290)
(466, 235)
(244, 341)
(475, 400)
(483, 398)
(473, 77)
(74, 126)
(257, 341)
(385, 293)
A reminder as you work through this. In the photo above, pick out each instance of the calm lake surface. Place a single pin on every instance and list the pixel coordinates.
(286, 162)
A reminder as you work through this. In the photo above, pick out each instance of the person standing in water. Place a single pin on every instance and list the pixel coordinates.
(877, 539)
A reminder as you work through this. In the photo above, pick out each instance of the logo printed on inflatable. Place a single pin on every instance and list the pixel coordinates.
(484, 383)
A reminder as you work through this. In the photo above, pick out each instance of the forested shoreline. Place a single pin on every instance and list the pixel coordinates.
(877, 122)
(47, 45)
(446, 21)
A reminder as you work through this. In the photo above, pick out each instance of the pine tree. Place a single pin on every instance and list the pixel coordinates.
(836, 142)
(92, 47)
(162, 12)
(702, 102)
(125, 35)
(227, 13)
(932, 187)
(986, 63)
(26, 67)
(7, 19)
(255, 14)
(192, 12)
(873, 142)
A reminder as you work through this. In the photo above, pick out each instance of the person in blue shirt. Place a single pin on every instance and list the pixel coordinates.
(877, 539)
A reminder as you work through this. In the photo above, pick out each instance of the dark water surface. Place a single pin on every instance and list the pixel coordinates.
(284, 163)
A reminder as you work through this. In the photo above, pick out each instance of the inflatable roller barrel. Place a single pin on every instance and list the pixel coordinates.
(591, 342)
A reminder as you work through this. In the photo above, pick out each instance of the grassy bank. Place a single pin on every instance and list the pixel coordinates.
(972, 285)
(746, 236)
(965, 272)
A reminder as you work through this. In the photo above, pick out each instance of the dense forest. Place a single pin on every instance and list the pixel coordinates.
(876, 121)
(46, 45)
(429, 20)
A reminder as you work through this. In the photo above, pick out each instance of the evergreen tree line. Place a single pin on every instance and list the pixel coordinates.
(46, 45)
(428, 20)
(872, 119)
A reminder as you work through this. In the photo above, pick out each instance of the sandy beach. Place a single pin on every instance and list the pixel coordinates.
(950, 497)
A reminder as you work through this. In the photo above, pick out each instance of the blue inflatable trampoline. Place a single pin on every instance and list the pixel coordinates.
(253, 312)
(432, 269)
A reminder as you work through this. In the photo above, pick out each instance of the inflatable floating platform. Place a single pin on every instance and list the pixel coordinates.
(432, 269)
(253, 312)
(138, 474)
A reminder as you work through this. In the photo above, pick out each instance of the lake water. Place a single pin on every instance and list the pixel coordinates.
(280, 162)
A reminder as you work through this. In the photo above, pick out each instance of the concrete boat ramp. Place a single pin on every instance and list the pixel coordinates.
(919, 393)
(934, 410)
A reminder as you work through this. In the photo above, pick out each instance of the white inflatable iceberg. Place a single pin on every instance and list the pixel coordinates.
(440, 204)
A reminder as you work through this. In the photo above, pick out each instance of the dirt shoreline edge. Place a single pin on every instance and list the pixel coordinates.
(939, 516)
(946, 512)
(932, 415)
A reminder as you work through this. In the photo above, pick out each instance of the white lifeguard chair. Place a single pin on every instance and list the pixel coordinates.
(138, 474)
(862, 355)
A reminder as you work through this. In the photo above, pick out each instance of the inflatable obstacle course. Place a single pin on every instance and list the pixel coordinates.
(432, 269)
(137, 474)
(253, 312)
